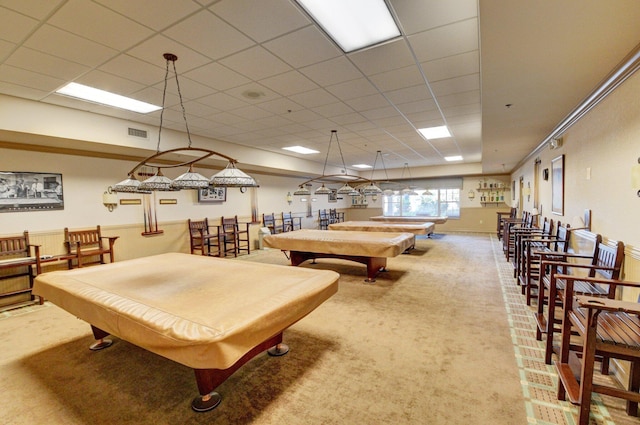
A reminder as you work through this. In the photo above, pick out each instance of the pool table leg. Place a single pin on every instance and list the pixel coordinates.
(101, 341)
(374, 266)
(209, 379)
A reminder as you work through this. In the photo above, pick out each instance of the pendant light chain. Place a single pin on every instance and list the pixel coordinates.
(184, 113)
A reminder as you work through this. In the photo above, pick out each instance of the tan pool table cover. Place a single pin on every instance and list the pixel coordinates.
(343, 242)
(378, 226)
(203, 312)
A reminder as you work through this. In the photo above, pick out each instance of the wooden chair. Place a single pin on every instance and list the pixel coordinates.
(606, 263)
(17, 259)
(323, 219)
(269, 221)
(609, 329)
(201, 239)
(85, 247)
(290, 223)
(233, 239)
(502, 215)
(530, 233)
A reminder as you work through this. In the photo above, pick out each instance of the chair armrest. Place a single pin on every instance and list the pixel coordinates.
(564, 255)
(613, 282)
(606, 304)
(576, 265)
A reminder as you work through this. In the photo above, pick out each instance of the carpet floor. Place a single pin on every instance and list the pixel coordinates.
(437, 339)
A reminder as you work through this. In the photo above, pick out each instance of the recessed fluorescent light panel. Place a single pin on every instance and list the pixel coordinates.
(435, 132)
(91, 94)
(353, 24)
(300, 149)
(453, 158)
(361, 166)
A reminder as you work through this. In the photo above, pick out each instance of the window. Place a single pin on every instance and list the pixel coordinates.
(434, 202)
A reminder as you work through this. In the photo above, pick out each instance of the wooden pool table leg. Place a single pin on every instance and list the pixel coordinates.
(209, 379)
(101, 341)
(374, 266)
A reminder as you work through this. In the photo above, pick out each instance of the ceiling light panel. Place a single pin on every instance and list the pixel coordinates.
(91, 94)
(354, 24)
(300, 149)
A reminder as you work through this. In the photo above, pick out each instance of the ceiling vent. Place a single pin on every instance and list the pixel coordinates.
(136, 132)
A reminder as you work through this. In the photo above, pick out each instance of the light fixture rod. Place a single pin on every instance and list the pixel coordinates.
(206, 154)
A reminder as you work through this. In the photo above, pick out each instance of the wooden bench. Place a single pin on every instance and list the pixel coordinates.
(17, 259)
(609, 329)
(88, 246)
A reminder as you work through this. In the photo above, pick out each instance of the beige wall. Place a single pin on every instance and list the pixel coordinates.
(600, 151)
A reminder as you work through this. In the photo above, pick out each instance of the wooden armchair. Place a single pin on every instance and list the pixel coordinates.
(88, 246)
(233, 237)
(606, 263)
(17, 259)
(323, 219)
(529, 233)
(269, 221)
(609, 329)
(201, 239)
(532, 250)
(290, 223)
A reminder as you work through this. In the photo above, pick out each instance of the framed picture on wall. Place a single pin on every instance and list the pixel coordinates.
(212, 194)
(333, 196)
(557, 185)
(28, 191)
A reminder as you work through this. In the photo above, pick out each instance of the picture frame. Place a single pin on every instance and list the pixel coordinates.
(22, 191)
(212, 194)
(557, 185)
(333, 196)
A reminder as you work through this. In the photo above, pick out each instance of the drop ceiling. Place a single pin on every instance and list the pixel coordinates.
(263, 74)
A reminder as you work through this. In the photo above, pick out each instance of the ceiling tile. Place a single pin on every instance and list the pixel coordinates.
(209, 35)
(289, 83)
(153, 49)
(382, 58)
(352, 89)
(420, 15)
(157, 14)
(46, 64)
(452, 66)
(262, 20)
(314, 98)
(456, 85)
(69, 46)
(294, 48)
(217, 76)
(448, 40)
(15, 27)
(96, 23)
(256, 63)
(398, 79)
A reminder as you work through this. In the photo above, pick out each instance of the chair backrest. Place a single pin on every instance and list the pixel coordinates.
(562, 238)
(323, 214)
(86, 237)
(608, 255)
(513, 212)
(198, 227)
(229, 224)
(547, 227)
(268, 219)
(14, 246)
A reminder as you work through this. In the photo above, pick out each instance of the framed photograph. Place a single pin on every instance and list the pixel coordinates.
(557, 185)
(212, 194)
(27, 191)
(333, 196)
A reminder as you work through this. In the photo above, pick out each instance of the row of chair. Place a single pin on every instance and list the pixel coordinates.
(575, 295)
(230, 237)
(326, 218)
(20, 258)
(287, 222)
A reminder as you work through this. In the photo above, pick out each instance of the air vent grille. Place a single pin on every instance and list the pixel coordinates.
(135, 132)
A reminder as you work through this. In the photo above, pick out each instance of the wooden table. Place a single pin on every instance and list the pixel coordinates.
(210, 314)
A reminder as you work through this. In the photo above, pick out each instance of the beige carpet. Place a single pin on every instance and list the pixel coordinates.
(428, 343)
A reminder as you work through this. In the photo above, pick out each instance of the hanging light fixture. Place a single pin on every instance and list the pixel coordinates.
(408, 190)
(346, 188)
(231, 176)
